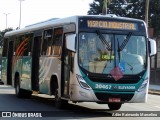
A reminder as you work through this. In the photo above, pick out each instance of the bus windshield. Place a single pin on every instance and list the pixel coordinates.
(126, 51)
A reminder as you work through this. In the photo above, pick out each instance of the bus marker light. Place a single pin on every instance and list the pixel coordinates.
(115, 87)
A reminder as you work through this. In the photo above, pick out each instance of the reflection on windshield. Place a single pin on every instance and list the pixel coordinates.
(96, 58)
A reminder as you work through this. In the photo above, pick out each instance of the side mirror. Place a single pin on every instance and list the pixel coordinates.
(153, 47)
(71, 42)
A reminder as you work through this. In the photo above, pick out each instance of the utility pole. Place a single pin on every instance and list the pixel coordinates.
(20, 13)
(104, 9)
(146, 12)
(6, 14)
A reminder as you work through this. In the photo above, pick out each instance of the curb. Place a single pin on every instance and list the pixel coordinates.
(154, 92)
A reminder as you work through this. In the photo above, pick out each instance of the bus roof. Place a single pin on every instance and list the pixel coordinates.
(62, 21)
(41, 25)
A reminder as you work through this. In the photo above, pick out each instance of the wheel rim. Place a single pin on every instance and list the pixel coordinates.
(17, 89)
(17, 86)
(56, 96)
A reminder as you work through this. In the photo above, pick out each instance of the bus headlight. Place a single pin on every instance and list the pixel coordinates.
(82, 82)
(143, 86)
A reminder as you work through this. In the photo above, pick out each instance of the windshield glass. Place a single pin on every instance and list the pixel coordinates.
(95, 57)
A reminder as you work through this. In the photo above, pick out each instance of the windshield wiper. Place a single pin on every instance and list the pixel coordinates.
(119, 56)
(104, 41)
(124, 43)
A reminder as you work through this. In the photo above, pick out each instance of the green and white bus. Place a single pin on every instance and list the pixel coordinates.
(102, 59)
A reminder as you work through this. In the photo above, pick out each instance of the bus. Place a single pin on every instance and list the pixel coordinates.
(101, 59)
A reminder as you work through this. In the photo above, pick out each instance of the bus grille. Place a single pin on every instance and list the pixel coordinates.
(124, 80)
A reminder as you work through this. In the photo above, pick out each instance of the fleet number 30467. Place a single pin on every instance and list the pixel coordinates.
(101, 86)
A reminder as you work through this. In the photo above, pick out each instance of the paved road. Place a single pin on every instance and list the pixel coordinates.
(79, 111)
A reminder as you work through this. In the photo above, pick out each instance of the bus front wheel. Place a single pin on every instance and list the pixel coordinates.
(114, 106)
(60, 103)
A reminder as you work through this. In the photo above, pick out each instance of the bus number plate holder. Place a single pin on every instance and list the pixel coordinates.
(114, 100)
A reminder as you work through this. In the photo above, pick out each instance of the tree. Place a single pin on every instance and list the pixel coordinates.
(154, 15)
(96, 7)
(113, 7)
(2, 34)
(136, 9)
(4, 31)
(130, 8)
(118, 7)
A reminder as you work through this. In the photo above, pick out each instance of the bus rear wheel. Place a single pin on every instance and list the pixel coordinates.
(114, 106)
(20, 93)
(60, 103)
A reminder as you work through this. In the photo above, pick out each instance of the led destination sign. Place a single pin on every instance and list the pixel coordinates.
(111, 25)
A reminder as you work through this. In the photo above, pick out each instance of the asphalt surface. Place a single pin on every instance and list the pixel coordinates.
(81, 111)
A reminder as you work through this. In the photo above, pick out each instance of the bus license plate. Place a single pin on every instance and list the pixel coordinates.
(114, 100)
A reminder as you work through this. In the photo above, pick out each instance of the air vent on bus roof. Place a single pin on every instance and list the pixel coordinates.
(42, 22)
(111, 15)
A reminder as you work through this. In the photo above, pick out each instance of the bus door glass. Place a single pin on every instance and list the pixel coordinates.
(36, 45)
(9, 63)
(67, 68)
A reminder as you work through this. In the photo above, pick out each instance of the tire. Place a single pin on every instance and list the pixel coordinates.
(20, 93)
(59, 103)
(17, 87)
(114, 106)
(53, 85)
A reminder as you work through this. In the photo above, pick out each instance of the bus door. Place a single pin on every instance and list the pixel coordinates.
(67, 71)
(36, 45)
(9, 62)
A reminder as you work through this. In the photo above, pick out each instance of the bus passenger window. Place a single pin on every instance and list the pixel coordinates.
(57, 41)
(28, 42)
(44, 47)
(47, 43)
(18, 45)
(57, 45)
(49, 49)
(5, 47)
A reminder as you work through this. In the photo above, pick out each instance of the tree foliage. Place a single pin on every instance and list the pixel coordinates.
(130, 8)
(154, 16)
(113, 7)
(96, 7)
(3, 32)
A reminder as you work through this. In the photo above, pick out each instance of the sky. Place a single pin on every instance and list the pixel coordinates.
(33, 11)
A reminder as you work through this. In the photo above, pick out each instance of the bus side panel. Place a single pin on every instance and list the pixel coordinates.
(17, 66)
(4, 70)
(26, 73)
(48, 66)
